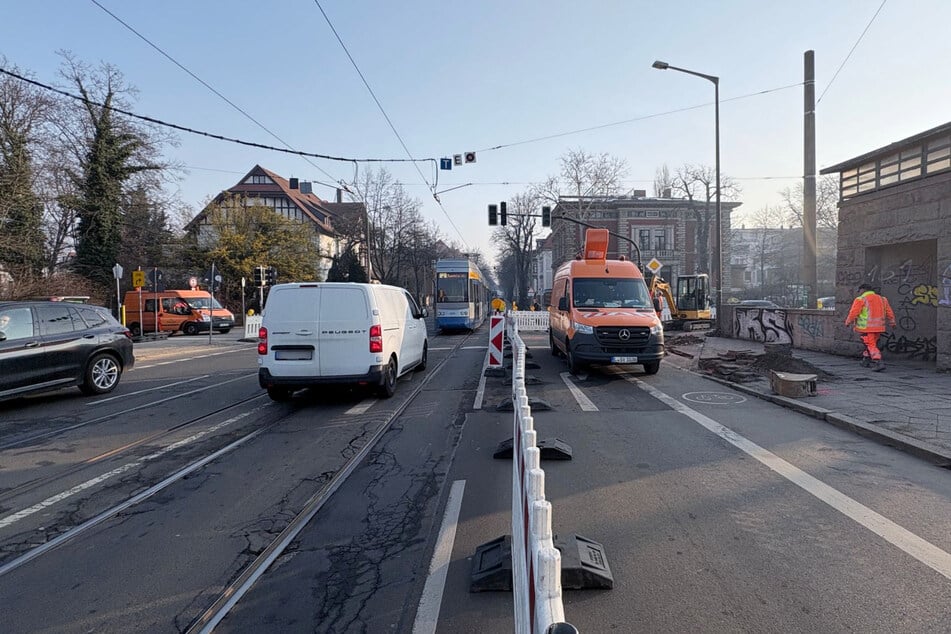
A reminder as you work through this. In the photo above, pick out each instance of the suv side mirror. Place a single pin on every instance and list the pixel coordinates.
(563, 303)
(423, 313)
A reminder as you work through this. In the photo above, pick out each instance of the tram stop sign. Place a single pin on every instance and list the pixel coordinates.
(655, 265)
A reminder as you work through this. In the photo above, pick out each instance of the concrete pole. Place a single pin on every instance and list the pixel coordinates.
(809, 274)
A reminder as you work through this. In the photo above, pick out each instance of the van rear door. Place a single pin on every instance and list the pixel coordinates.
(344, 316)
(291, 319)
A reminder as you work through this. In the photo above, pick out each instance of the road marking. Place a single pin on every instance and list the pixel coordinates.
(428, 612)
(441, 349)
(583, 401)
(151, 389)
(480, 393)
(922, 550)
(200, 356)
(473, 347)
(361, 407)
(79, 488)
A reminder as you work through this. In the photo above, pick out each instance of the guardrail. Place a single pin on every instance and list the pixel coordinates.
(251, 326)
(530, 319)
(536, 563)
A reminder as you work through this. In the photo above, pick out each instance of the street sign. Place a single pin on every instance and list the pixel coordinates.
(117, 271)
(138, 279)
(470, 157)
(445, 163)
(457, 159)
(655, 265)
(193, 282)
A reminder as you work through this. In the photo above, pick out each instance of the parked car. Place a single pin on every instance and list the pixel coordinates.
(50, 345)
(826, 303)
(316, 333)
(757, 303)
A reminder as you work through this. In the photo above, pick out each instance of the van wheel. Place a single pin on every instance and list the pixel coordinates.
(388, 386)
(279, 394)
(102, 375)
(574, 366)
(424, 359)
(225, 331)
(551, 344)
(135, 329)
(190, 328)
(652, 367)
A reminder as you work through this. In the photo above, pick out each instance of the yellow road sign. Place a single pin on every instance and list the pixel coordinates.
(138, 279)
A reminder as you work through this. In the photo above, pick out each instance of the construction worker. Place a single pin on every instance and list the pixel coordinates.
(868, 313)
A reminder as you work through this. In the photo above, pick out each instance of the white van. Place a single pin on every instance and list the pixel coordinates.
(315, 333)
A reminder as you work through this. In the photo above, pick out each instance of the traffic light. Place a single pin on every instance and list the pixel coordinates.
(546, 216)
(259, 276)
(502, 212)
(270, 276)
(493, 215)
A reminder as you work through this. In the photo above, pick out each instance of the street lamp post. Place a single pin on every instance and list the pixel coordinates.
(719, 227)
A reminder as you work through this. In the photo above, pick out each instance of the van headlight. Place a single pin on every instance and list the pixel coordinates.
(582, 329)
(658, 329)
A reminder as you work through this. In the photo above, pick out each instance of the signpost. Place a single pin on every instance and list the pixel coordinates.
(117, 272)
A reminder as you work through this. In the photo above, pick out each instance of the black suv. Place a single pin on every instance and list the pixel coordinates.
(49, 345)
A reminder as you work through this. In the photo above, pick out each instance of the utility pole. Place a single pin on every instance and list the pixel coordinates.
(809, 274)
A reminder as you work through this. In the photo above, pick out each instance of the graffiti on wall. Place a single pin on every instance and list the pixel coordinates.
(916, 348)
(946, 287)
(810, 325)
(762, 324)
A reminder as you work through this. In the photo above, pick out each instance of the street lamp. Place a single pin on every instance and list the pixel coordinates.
(719, 228)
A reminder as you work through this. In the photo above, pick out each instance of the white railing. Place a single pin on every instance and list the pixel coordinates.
(251, 326)
(534, 556)
(530, 319)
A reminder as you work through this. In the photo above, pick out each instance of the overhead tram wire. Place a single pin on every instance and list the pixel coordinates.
(210, 135)
(852, 50)
(432, 187)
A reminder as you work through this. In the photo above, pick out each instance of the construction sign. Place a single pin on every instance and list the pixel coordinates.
(496, 339)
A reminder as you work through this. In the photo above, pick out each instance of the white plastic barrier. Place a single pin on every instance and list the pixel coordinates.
(530, 319)
(536, 563)
(251, 325)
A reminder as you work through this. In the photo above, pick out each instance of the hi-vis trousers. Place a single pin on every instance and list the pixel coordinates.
(870, 339)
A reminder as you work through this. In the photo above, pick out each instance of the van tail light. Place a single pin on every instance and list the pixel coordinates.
(376, 338)
(262, 340)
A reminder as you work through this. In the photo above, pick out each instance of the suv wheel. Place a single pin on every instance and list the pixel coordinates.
(424, 359)
(279, 394)
(388, 386)
(102, 374)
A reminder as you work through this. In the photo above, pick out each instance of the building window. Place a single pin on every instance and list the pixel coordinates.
(644, 239)
(939, 155)
(660, 240)
(258, 179)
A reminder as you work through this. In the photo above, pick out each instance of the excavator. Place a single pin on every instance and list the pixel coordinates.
(690, 308)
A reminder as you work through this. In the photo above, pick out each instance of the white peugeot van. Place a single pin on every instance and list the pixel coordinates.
(314, 333)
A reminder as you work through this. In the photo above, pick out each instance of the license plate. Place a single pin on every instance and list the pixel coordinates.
(293, 355)
(623, 359)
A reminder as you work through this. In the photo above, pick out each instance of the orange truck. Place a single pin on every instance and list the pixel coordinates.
(601, 311)
(190, 312)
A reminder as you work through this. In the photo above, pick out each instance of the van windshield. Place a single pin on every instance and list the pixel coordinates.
(610, 292)
(203, 302)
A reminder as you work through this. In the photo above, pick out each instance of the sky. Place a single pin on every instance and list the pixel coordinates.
(519, 83)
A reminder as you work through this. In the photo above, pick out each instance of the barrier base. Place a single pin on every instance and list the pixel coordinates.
(549, 449)
(495, 371)
(491, 569)
(584, 565)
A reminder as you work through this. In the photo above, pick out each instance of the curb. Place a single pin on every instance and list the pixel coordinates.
(919, 449)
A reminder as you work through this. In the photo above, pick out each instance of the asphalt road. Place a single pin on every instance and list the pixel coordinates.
(717, 513)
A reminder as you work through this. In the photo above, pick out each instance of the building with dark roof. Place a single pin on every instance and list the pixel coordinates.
(895, 233)
(295, 200)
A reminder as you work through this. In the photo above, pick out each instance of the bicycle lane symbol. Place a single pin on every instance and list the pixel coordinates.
(714, 398)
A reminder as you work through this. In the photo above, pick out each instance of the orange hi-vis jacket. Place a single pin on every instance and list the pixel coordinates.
(869, 312)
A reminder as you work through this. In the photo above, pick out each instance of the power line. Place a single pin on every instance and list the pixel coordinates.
(210, 135)
(432, 187)
(829, 85)
(635, 119)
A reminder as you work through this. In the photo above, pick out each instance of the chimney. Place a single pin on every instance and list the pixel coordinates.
(293, 182)
(666, 192)
(640, 193)
(339, 195)
(306, 187)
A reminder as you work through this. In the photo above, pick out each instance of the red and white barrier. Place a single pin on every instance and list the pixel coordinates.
(496, 340)
(536, 563)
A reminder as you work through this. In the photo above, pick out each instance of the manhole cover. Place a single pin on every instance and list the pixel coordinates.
(714, 398)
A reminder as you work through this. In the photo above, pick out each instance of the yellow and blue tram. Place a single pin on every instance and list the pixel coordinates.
(462, 295)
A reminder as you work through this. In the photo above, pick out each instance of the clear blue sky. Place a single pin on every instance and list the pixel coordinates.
(461, 76)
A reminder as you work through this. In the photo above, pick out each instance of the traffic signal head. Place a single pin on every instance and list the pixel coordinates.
(259, 276)
(502, 212)
(493, 215)
(546, 216)
(271, 276)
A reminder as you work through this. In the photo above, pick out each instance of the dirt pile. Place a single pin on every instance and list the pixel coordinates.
(747, 367)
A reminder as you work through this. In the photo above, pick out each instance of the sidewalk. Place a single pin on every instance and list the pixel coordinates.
(907, 406)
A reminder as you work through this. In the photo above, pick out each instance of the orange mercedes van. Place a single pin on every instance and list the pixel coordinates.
(188, 311)
(601, 311)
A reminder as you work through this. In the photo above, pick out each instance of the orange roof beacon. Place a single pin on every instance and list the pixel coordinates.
(601, 311)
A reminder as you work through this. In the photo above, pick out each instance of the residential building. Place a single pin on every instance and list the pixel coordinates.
(895, 233)
(542, 267)
(678, 232)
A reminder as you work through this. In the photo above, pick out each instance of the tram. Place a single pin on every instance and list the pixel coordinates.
(462, 295)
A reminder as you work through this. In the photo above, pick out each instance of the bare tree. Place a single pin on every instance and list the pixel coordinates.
(517, 240)
(827, 200)
(585, 179)
(697, 183)
(663, 182)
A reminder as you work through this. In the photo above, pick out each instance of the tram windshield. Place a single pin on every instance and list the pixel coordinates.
(452, 287)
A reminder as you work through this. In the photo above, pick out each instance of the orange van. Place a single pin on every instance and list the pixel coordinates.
(601, 311)
(190, 312)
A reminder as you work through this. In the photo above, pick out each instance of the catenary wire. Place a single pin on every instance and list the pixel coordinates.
(854, 46)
